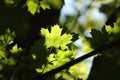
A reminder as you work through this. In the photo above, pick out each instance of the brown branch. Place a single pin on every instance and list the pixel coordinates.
(99, 50)
(71, 63)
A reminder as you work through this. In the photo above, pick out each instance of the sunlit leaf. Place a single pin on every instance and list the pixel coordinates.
(51, 57)
(44, 5)
(115, 29)
(6, 38)
(114, 32)
(38, 70)
(4, 41)
(55, 3)
(66, 76)
(100, 38)
(15, 49)
(79, 71)
(32, 6)
(54, 37)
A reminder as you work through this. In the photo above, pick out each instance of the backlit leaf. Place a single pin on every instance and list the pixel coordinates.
(44, 5)
(32, 6)
(15, 49)
(100, 38)
(5, 39)
(54, 37)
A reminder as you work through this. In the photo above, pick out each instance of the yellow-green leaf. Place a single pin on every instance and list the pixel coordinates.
(44, 5)
(15, 49)
(55, 39)
(115, 29)
(32, 6)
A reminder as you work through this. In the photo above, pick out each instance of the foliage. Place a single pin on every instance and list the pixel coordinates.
(53, 46)
(100, 38)
(58, 51)
(4, 41)
(5, 58)
(34, 6)
(55, 39)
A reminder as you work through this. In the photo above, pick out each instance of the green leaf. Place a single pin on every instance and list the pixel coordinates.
(100, 38)
(11, 61)
(115, 29)
(4, 41)
(2, 54)
(6, 38)
(44, 5)
(32, 6)
(15, 49)
(38, 70)
(55, 3)
(51, 57)
(55, 39)
(39, 53)
(62, 51)
(114, 32)
(79, 70)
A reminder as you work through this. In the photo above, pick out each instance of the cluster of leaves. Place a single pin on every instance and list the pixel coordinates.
(35, 5)
(59, 49)
(100, 38)
(6, 60)
(52, 51)
(4, 41)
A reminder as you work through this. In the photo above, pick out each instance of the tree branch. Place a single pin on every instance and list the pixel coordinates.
(71, 63)
(99, 50)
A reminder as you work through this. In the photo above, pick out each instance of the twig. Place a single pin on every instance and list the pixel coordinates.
(100, 49)
(71, 63)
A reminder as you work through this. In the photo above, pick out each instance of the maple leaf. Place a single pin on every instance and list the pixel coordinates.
(114, 32)
(100, 38)
(44, 5)
(32, 6)
(55, 39)
(15, 49)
